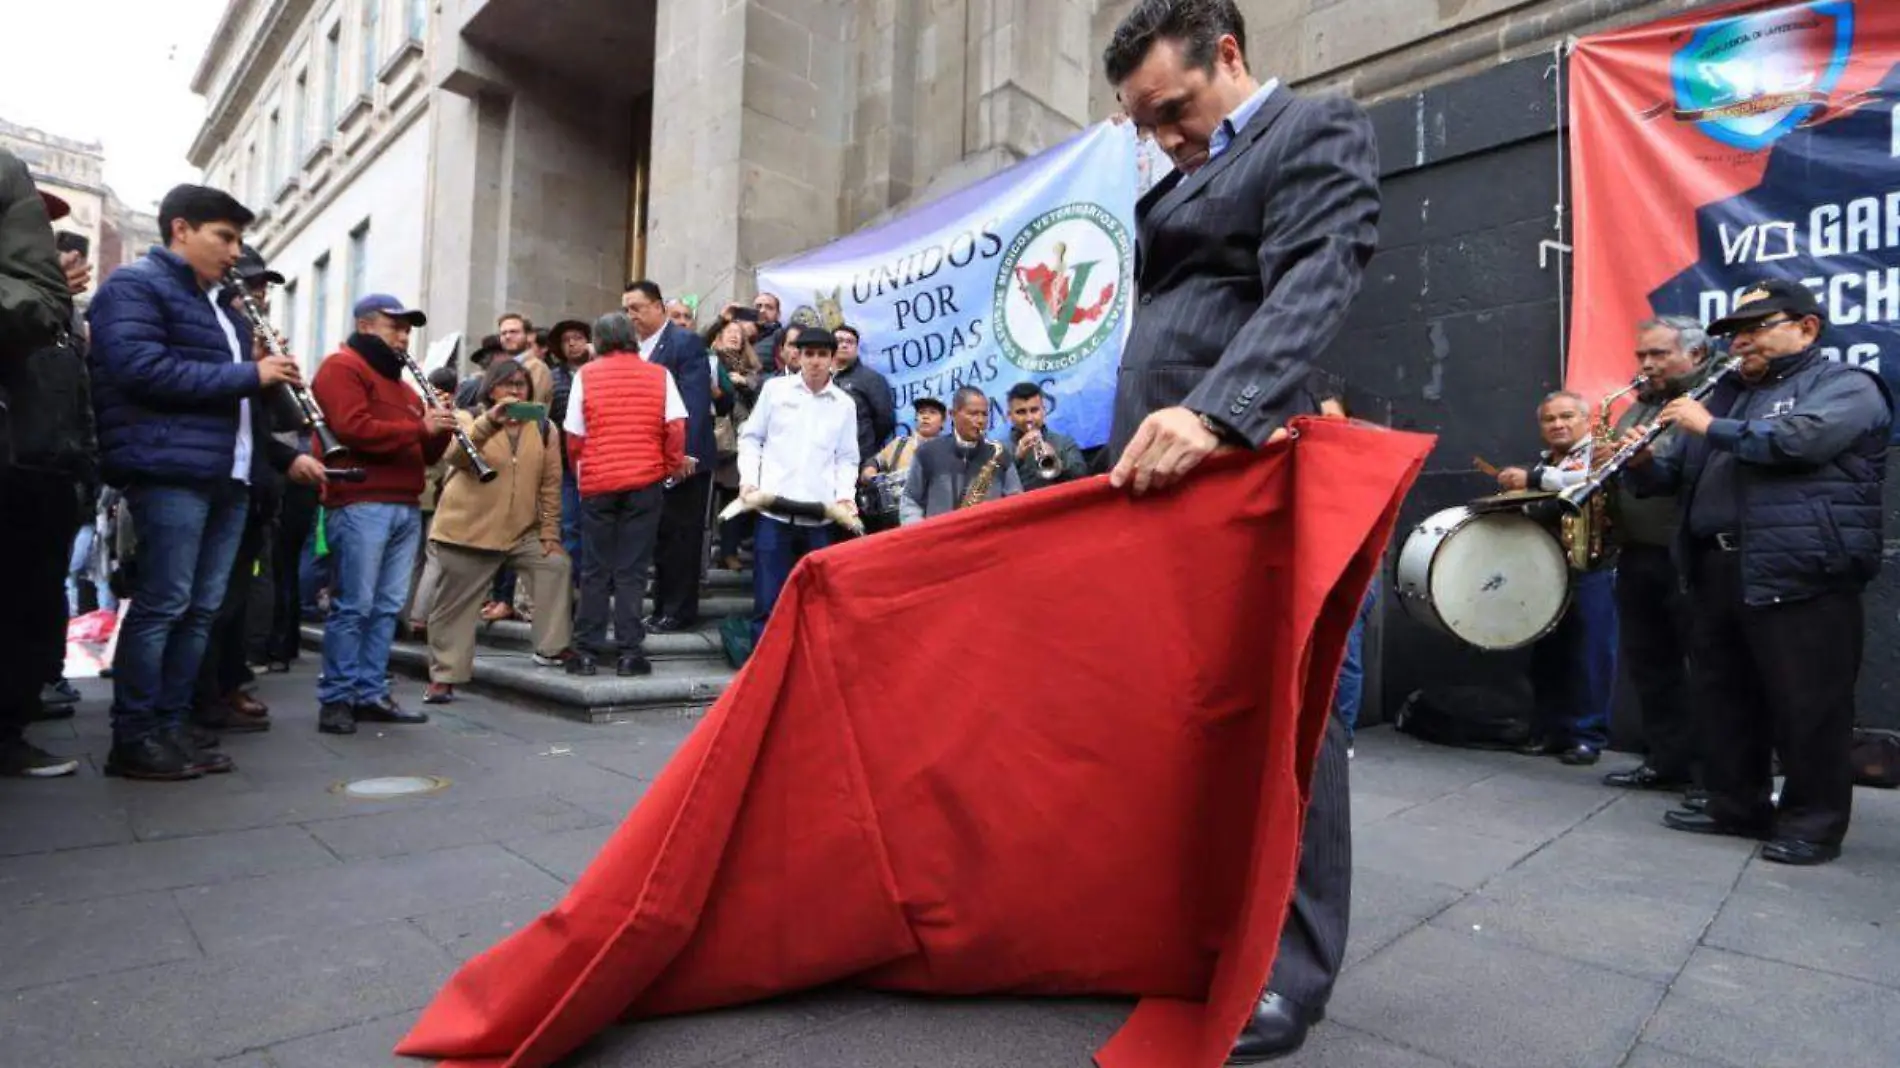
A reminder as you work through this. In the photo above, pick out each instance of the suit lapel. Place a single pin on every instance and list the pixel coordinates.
(1190, 187)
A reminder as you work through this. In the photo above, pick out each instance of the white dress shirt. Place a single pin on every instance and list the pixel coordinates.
(649, 343)
(576, 423)
(801, 445)
(241, 459)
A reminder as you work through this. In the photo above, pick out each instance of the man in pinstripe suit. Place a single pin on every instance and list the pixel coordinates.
(1247, 258)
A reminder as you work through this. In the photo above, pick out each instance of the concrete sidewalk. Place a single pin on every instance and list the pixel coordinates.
(1508, 913)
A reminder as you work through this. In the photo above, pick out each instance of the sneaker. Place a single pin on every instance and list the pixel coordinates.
(557, 660)
(439, 693)
(59, 693)
(24, 760)
(45, 713)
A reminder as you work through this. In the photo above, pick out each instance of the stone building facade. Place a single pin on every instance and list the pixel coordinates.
(75, 171)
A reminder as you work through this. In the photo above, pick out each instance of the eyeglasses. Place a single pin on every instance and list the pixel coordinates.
(1762, 327)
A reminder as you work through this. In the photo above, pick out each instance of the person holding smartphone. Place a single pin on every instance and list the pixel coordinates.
(514, 521)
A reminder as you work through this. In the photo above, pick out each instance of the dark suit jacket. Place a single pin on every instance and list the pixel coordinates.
(682, 352)
(1245, 268)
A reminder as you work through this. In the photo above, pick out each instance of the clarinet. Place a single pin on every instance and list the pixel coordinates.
(309, 415)
(483, 472)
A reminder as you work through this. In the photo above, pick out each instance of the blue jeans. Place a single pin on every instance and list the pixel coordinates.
(1351, 690)
(79, 572)
(1573, 668)
(374, 546)
(777, 547)
(571, 518)
(187, 540)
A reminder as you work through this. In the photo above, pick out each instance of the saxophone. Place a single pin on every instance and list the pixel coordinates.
(979, 487)
(1582, 529)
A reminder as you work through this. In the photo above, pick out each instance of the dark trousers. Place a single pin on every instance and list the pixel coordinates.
(1653, 635)
(1775, 679)
(617, 536)
(1313, 940)
(681, 549)
(223, 668)
(1573, 668)
(38, 517)
(777, 547)
(294, 522)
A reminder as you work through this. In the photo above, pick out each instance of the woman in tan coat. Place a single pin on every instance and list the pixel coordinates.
(514, 520)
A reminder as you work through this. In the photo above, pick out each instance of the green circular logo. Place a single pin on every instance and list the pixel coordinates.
(1061, 287)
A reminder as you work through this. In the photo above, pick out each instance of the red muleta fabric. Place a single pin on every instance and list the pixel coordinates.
(1056, 745)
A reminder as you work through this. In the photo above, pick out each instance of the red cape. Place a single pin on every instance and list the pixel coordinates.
(1054, 745)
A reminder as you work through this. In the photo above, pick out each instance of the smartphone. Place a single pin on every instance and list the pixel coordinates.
(527, 411)
(67, 241)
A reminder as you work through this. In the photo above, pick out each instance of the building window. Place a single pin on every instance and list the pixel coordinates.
(372, 21)
(253, 179)
(418, 18)
(274, 162)
(300, 120)
(290, 315)
(359, 261)
(320, 306)
(332, 76)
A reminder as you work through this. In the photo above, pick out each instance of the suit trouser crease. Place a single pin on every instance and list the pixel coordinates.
(1573, 669)
(464, 577)
(618, 531)
(188, 537)
(1773, 679)
(1313, 939)
(1653, 636)
(681, 548)
(375, 547)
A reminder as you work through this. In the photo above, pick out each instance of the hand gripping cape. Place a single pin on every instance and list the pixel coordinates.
(1055, 745)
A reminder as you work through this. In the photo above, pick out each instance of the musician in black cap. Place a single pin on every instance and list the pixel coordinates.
(1779, 475)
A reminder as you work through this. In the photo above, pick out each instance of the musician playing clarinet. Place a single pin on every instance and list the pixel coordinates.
(374, 525)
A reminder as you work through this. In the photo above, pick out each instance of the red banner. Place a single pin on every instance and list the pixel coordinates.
(1749, 141)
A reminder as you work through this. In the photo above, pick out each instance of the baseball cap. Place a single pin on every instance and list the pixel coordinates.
(56, 206)
(251, 268)
(390, 306)
(1766, 298)
(929, 402)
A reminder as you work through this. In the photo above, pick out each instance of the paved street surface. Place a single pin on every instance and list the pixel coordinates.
(1508, 913)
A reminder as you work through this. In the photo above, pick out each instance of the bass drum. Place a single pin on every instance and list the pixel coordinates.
(1494, 580)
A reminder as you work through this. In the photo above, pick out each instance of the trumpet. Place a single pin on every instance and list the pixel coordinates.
(1048, 461)
(483, 472)
(308, 415)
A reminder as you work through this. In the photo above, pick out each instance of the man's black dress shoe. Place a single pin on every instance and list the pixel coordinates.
(152, 758)
(198, 757)
(1799, 853)
(669, 625)
(582, 664)
(1579, 756)
(388, 711)
(632, 664)
(1703, 823)
(1278, 1027)
(1644, 777)
(336, 719)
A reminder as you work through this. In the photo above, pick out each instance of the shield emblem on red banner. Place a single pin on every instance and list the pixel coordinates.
(1746, 81)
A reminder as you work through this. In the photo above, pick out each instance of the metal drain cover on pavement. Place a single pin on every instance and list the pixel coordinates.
(392, 787)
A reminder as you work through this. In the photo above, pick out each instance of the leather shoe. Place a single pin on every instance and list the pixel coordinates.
(151, 758)
(582, 664)
(1579, 756)
(1799, 853)
(670, 625)
(184, 738)
(388, 711)
(1644, 777)
(632, 664)
(1278, 1027)
(245, 705)
(1703, 823)
(336, 719)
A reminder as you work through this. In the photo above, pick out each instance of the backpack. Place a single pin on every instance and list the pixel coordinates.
(1875, 757)
(46, 400)
(1466, 717)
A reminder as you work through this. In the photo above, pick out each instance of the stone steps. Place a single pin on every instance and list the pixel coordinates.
(689, 667)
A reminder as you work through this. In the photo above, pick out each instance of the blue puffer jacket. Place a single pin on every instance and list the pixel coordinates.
(164, 385)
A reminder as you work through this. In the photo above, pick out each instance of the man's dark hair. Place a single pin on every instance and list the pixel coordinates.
(199, 205)
(1024, 391)
(964, 396)
(847, 328)
(526, 326)
(1197, 24)
(651, 289)
(542, 339)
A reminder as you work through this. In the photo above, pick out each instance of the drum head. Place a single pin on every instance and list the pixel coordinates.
(1500, 581)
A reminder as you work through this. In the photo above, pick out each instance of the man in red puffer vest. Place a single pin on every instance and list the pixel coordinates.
(626, 434)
